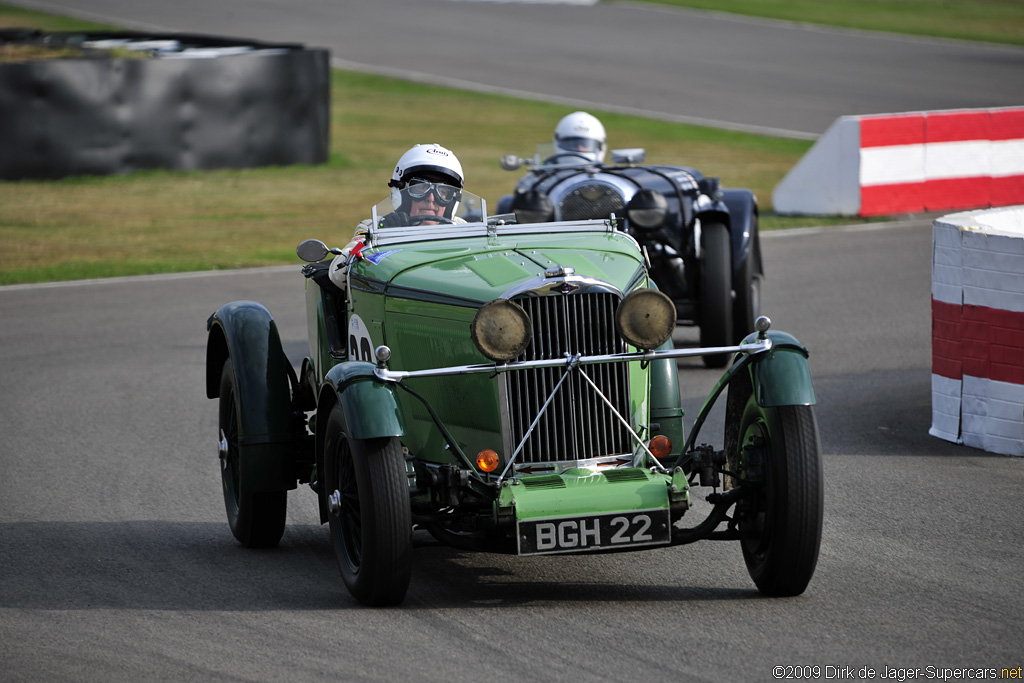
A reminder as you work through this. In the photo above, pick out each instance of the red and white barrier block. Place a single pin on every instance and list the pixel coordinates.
(978, 329)
(909, 163)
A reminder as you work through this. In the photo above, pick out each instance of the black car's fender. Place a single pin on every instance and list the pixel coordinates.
(742, 205)
(245, 333)
(737, 209)
(782, 376)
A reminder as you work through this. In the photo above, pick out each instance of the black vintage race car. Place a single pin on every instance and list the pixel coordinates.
(701, 239)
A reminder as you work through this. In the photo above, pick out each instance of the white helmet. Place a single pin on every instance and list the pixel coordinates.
(431, 159)
(581, 134)
(433, 162)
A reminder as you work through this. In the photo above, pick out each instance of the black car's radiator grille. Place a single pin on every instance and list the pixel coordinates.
(591, 200)
(577, 425)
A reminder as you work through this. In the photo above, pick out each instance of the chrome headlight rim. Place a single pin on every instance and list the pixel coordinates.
(501, 330)
(646, 318)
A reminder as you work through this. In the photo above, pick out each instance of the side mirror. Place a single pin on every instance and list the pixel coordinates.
(312, 251)
(633, 155)
(511, 162)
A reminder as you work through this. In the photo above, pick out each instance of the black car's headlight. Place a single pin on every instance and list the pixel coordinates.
(532, 207)
(646, 318)
(501, 330)
(647, 210)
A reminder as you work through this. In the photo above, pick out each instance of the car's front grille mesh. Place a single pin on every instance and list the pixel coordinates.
(590, 200)
(577, 425)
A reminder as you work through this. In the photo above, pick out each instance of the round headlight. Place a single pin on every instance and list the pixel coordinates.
(501, 330)
(532, 207)
(646, 318)
(647, 209)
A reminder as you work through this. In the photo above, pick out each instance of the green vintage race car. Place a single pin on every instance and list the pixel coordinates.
(507, 388)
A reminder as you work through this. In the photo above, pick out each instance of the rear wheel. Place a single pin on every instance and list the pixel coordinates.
(779, 456)
(256, 519)
(716, 292)
(369, 513)
(747, 305)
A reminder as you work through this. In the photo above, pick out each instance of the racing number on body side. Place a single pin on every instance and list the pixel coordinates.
(360, 347)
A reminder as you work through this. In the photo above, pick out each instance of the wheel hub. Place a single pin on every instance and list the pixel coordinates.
(334, 502)
(222, 450)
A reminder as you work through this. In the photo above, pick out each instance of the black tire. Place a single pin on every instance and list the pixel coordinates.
(370, 516)
(747, 305)
(716, 292)
(780, 524)
(256, 519)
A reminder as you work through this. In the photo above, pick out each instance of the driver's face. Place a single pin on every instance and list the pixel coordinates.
(427, 206)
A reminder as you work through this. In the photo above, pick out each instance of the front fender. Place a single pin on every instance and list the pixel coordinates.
(371, 409)
(782, 376)
(245, 333)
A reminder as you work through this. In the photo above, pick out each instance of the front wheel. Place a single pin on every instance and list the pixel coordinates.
(369, 513)
(780, 523)
(257, 519)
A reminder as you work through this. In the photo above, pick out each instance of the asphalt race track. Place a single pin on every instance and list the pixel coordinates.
(773, 77)
(117, 564)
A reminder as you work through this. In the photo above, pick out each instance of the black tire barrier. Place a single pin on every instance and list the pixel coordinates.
(192, 102)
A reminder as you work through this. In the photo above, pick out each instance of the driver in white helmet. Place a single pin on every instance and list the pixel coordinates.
(579, 136)
(427, 181)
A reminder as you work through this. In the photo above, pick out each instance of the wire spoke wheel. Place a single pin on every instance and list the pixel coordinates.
(257, 518)
(369, 513)
(779, 456)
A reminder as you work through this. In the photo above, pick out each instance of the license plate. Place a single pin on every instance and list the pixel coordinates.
(594, 532)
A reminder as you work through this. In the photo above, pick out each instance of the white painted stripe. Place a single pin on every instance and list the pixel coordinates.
(993, 271)
(946, 408)
(1007, 157)
(158, 277)
(947, 263)
(889, 165)
(940, 160)
(964, 159)
(993, 415)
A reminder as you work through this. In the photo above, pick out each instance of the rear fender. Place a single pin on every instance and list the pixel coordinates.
(245, 333)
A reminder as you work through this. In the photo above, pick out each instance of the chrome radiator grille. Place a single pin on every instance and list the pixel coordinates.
(591, 200)
(577, 425)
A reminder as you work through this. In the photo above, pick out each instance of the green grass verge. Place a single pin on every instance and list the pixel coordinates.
(996, 21)
(164, 221)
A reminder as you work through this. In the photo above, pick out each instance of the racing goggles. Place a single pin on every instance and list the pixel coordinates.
(579, 144)
(419, 189)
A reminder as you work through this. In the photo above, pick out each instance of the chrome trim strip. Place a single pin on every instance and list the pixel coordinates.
(418, 233)
(753, 348)
(548, 286)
